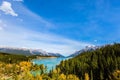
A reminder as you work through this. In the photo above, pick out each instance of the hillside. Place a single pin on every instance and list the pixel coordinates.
(101, 64)
(87, 48)
(28, 52)
(12, 58)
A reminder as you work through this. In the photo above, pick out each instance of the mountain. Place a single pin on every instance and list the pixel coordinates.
(55, 54)
(28, 52)
(87, 48)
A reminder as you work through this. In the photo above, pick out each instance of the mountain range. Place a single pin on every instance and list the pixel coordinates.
(87, 48)
(28, 52)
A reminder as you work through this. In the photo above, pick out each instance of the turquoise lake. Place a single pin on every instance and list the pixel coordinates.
(49, 62)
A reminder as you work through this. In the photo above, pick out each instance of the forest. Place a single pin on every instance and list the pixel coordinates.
(100, 64)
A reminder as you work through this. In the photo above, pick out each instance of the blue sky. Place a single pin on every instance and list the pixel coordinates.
(60, 26)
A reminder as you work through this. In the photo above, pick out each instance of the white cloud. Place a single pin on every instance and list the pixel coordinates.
(6, 7)
(32, 17)
(19, 37)
(1, 28)
(2, 25)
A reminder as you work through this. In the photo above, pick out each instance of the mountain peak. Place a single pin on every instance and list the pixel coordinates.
(87, 48)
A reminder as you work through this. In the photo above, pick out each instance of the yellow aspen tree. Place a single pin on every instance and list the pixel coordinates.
(87, 76)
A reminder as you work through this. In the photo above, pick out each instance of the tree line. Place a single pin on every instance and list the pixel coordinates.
(100, 64)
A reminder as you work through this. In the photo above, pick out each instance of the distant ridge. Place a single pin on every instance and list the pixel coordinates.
(87, 48)
(28, 52)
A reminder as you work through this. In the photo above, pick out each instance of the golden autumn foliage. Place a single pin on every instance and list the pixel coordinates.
(25, 65)
(116, 75)
(87, 76)
(72, 77)
(62, 77)
(22, 71)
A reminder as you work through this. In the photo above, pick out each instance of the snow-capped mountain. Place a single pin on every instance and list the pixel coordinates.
(27, 52)
(55, 54)
(87, 48)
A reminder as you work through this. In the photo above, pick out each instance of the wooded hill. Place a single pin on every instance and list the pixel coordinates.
(101, 64)
(12, 58)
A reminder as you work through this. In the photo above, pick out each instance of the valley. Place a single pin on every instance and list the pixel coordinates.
(100, 63)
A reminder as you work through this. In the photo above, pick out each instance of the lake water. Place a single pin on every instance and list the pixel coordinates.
(49, 62)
